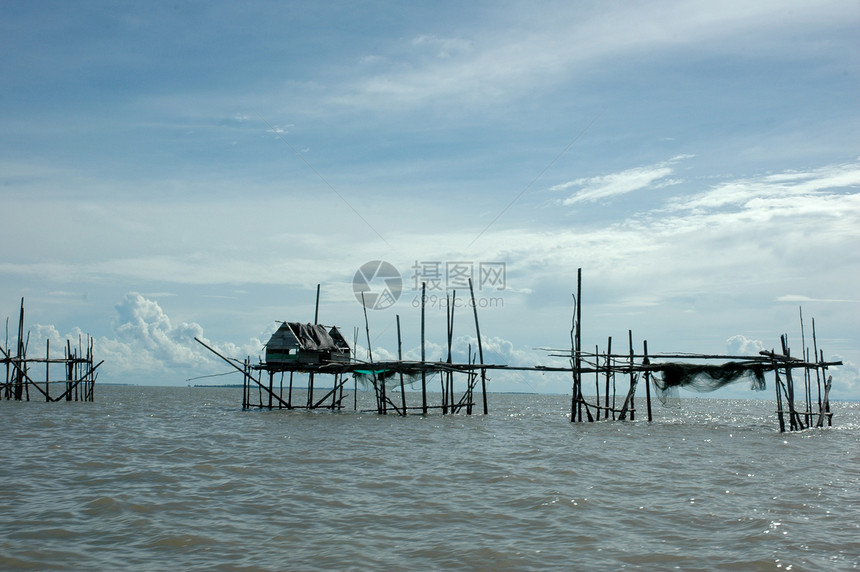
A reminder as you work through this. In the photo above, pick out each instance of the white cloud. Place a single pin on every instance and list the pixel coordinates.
(741, 345)
(783, 191)
(148, 348)
(798, 298)
(531, 51)
(604, 186)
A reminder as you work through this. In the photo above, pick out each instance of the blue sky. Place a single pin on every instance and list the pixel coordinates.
(178, 169)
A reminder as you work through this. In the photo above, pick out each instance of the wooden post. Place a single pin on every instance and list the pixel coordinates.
(400, 358)
(609, 374)
(423, 355)
(469, 383)
(806, 377)
(597, 378)
(817, 373)
(632, 379)
(647, 380)
(354, 378)
(380, 398)
(259, 386)
(19, 378)
(777, 383)
(480, 347)
(444, 376)
(92, 374)
(574, 389)
(794, 420)
(271, 387)
(281, 391)
(69, 370)
(244, 389)
(579, 340)
(334, 390)
(48, 369)
(311, 374)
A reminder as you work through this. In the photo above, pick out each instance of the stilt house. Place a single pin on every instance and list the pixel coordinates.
(297, 343)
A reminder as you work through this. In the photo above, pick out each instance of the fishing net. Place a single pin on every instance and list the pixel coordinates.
(704, 378)
(389, 376)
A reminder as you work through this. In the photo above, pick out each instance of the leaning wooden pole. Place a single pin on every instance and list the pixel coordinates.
(480, 347)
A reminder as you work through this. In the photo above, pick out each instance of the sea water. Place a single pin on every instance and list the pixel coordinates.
(151, 478)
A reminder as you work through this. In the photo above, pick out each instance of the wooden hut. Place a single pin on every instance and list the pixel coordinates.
(297, 343)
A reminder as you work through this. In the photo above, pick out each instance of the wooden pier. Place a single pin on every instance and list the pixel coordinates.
(806, 406)
(309, 350)
(306, 351)
(77, 372)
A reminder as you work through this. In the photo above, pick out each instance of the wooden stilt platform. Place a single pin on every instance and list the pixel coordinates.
(77, 372)
(806, 406)
(314, 350)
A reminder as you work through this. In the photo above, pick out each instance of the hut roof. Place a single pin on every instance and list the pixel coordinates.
(311, 337)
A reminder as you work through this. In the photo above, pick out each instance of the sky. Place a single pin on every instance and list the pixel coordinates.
(171, 170)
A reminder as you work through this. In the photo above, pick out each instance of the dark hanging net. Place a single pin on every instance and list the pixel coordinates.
(366, 377)
(704, 378)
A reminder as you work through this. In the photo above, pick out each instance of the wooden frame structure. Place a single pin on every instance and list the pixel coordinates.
(263, 393)
(76, 365)
(804, 407)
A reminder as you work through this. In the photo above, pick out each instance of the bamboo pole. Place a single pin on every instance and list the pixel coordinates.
(817, 373)
(423, 355)
(647, 380)
(574, 390)
(246, 370)
(579, 340)
(245, 388)
(380, 398)
(69, 371)
(400, 358)
(779, 411)
(76, 382)
(794, 419)
(806, 377)
(311, 374)
(19, 381)
(19, 369)
(608, 375)
(597, 381)
(48, 369)
(480, 347)
(448, 380)
(354, 378)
